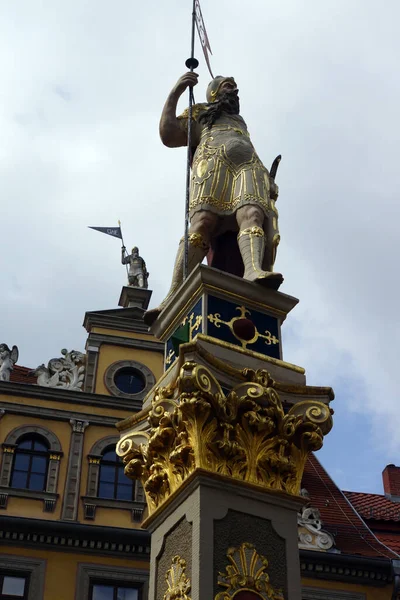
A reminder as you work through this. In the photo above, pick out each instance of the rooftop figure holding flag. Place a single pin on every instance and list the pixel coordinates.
(137, 274)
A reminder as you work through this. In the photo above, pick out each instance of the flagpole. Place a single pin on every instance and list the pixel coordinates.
(123, 245)
(191, 63)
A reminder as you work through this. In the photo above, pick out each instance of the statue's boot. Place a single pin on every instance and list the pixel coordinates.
(197, 250)
(251, 243)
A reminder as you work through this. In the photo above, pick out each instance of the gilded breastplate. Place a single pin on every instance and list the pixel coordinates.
(233, 138)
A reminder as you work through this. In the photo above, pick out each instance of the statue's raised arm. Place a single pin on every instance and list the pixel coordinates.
(172, 131)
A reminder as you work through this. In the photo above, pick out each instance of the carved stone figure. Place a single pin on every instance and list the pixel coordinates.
(232, 194)
(137, 274)
(8, 358)
(66, 372)
(310, 532)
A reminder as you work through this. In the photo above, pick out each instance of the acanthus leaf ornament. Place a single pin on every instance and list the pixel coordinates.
(245, 435)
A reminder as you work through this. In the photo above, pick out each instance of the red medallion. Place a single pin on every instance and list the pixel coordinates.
(246, 595)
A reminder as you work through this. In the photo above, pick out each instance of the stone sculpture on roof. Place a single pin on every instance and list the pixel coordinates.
(310, 533)
(8, 358)
(232, 195)
(66, 372)
(137, 273)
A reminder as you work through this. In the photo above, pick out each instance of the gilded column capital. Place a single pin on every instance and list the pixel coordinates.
(246, 435)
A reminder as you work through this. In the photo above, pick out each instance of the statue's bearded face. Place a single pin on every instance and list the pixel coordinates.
(229, 101)
(228, 96)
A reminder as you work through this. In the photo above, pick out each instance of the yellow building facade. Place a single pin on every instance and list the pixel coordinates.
(70, 521)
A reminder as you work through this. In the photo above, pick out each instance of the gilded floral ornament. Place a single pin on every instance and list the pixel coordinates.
(245, 435)
(247, 572)
(178, 584)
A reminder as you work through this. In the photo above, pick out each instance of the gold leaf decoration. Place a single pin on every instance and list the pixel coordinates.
(245, 435)
(178, 585)
(246, 572)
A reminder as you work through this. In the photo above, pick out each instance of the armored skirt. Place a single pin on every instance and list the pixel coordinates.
(226, 171)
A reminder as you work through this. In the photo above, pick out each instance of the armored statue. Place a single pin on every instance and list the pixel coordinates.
(8, 358)
(232, 194)
(137, 274)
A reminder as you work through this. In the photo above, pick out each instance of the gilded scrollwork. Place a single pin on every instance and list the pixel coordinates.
(216, 320)
(178, 584)
(245, 435)
(246, 571)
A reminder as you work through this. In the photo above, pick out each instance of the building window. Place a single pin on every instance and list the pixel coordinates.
(13, 586)
(129, 380)
(113, 483)
(30, 464)
(107, 582)
(113, 591)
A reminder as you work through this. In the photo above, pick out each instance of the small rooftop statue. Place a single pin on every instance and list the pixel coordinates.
(231, 191)
(8, 358)
(137, 273)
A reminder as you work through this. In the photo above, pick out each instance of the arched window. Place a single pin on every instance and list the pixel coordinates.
(30, 466)
(113, 483)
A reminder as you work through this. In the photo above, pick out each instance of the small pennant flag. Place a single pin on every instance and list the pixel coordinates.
(201, 28)
(114, 231)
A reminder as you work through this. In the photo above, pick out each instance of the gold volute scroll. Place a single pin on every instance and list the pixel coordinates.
(246, 572)
(245, 435)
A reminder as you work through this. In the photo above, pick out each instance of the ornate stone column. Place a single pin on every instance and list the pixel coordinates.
(72, 484)
(220, 448)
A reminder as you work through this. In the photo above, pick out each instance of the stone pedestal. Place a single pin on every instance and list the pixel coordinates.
(227, 537)
(221, 443)
(134, 296)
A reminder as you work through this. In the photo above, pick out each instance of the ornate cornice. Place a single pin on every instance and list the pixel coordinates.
(56, 535)
(346, 567)
(245, 435)
(68, 396)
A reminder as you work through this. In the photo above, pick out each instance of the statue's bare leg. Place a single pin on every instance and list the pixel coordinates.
(252, 245)
(202, 226)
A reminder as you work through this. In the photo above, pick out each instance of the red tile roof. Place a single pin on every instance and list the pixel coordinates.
(374, 506)
(390, 540)
(22, 375)
(352, 535)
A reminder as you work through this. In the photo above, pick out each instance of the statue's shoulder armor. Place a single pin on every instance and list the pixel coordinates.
(197, 109)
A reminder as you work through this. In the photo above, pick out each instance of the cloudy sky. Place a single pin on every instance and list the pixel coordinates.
(82, 86)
